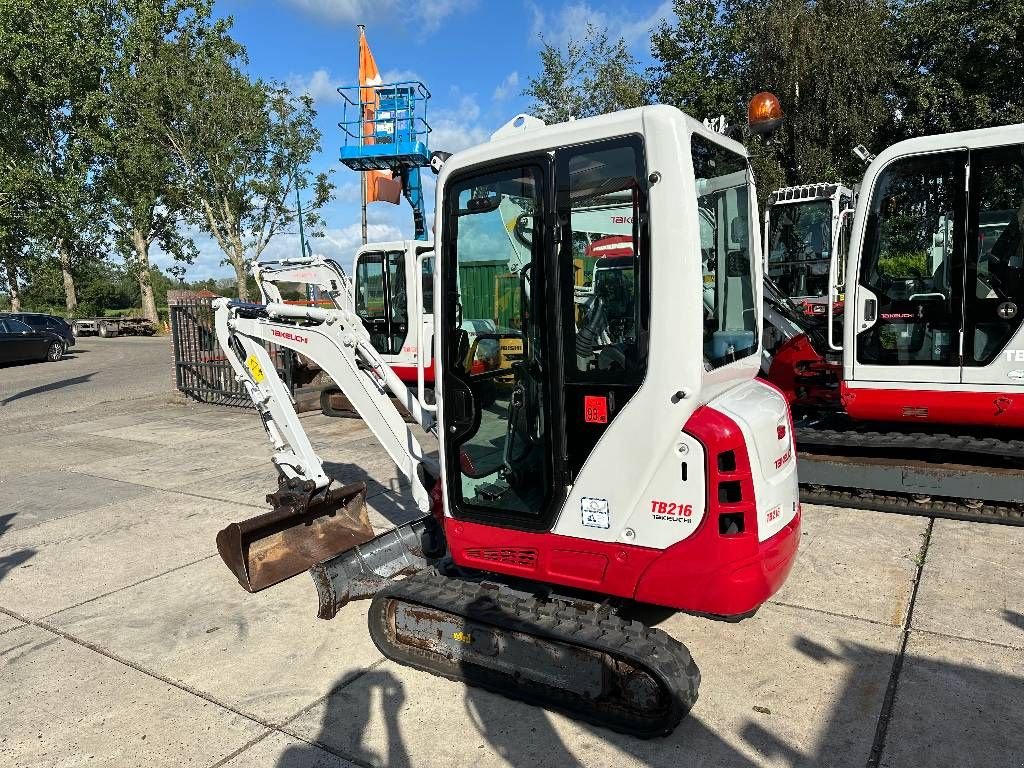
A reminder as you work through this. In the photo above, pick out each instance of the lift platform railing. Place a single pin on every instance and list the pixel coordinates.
(385, 127)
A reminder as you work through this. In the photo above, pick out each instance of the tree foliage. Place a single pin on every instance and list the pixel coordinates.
(589, 77)
(144, 198)
(242, 148)
(125, 121)
(960, 65)
(52, 60)
(868, 72)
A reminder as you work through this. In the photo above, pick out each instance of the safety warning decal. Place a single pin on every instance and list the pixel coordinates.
(254, 368)
(595, 512)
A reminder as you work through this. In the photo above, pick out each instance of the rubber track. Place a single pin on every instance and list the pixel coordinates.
(858, 437)
(906, 505)
(595, 627)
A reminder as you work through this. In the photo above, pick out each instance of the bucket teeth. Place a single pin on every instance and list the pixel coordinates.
(304, 527)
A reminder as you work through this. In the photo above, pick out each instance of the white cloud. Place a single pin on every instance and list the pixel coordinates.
(320, 85)
(571, 21)
(427, 15)
(507, 87)
(456, 129)
(349, 192)
(399, 76)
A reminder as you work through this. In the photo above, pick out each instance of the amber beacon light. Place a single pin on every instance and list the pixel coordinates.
(764, 113)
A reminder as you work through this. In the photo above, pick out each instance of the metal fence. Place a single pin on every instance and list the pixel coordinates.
(201, 371)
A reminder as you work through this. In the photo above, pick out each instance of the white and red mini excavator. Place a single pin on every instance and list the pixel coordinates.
(911, 398)
(611, 460)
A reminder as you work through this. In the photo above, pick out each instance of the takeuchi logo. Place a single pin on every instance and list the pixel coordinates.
(290, 336)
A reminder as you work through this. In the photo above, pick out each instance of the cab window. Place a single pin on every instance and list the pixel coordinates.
(723, 193)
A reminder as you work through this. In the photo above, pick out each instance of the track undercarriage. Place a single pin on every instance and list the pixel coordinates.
(573, 656)
(922, 471)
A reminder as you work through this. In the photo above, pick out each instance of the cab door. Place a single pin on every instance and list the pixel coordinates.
(908, 310)
(994, 293)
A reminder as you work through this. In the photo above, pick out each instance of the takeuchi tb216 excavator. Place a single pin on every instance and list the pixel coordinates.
(614, 460)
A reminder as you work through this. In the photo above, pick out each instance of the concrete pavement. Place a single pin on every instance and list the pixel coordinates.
(124, 641)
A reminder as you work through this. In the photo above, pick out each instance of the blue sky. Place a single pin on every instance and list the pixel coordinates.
(475, 56)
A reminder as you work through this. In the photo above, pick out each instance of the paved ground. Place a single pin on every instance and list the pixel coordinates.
(125, 642)
(94, 371)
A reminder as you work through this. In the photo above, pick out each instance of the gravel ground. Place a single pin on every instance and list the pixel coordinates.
(94, 371)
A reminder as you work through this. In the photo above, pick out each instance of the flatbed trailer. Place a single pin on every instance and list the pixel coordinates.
(110, 327)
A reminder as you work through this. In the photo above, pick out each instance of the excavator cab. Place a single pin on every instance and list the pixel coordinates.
(392, 294)
(932, 331)
(607, 360)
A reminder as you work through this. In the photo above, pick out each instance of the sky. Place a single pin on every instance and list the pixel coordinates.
(475, 56)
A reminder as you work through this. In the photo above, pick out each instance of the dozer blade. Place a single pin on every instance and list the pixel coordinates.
(304, 528)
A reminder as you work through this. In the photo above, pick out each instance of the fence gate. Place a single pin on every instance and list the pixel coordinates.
(200, 369)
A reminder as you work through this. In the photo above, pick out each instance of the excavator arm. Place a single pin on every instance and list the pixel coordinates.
(326, 274)
(313, 518)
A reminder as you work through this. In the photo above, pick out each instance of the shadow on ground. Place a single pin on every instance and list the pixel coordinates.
(1014, 618)
(49, 387)
(949, 713)
(16, 559)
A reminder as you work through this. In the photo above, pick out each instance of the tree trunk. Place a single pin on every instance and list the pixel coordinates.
(12, 286)
(141, 246)
(238, 262)
(70, 295)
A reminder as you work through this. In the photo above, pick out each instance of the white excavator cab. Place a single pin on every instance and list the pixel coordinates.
(933, 329)
(393, 294)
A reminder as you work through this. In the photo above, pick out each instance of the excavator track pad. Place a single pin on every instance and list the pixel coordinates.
(304, 527)
(575, 657)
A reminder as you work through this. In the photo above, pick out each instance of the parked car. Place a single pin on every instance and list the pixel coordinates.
(19, 341)
(40, 322)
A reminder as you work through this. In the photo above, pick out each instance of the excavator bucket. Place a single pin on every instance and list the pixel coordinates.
(304, 528)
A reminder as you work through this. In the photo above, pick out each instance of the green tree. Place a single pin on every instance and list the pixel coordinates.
(242, 147)
(589, 77)
(698, 68)
(960, 65)
(143, 194)
(829, 62)
(52, 59)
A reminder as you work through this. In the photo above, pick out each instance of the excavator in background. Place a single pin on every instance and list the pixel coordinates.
(803, 227)
(911, 397)
(391, 292)
(617, 461)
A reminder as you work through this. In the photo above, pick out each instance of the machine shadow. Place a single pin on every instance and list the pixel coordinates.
(1014, 618)
(16, 559)
(392, 500)
(49, 387)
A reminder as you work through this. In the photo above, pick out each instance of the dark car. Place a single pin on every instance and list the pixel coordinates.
(40, 322)
(19, 341)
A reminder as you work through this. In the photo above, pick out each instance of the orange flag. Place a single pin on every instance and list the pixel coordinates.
(380, 185)
(369, 77)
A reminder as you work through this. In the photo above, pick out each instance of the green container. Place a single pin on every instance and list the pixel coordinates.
(490, 292)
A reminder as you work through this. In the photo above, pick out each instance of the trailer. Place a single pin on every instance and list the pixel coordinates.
(109, 327)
